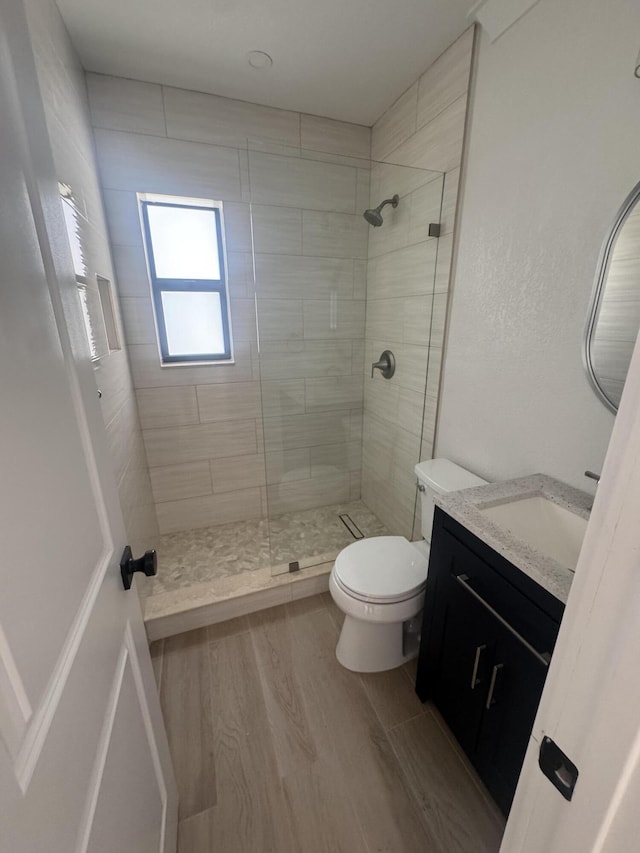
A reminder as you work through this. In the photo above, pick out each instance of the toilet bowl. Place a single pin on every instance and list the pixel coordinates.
(379, 583)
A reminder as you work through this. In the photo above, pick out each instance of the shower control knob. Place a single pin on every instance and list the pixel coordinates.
(386, 365)
(148, 564)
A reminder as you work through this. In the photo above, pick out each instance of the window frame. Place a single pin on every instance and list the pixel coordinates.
(160, 285)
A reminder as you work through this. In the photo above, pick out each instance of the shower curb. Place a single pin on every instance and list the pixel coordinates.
(207, 603)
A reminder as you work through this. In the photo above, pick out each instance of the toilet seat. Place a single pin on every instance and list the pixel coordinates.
(381, 570)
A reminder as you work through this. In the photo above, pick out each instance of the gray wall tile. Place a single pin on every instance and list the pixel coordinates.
(170, 406)
(237, 226)
(151, 164)
(286, 466)
(291, 277)
(334, 392)
(193, 513)
(130, 105)
(305, 359)
(332, 459)
(137, 316)
(132, 278)
(229, 401)
(280, 319)
(327, 319)
(176, 445)
(395, 125)
(334, 235)
(224, 121)
(305, 430)
(308, 184)
(277, 230)
(123, 218)
(404, 272)
(307, 494)
(243, 320)
(446, 80)
(437, 145)
(282, 398)
(237, 472)
(176, 482)
(337, 137)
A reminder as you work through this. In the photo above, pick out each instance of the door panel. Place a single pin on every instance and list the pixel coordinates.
(466, 657)
(507, 724)
(80, 724)
(127, 752)
(40, 434)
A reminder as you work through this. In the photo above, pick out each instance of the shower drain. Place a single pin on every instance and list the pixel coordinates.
(351, 526)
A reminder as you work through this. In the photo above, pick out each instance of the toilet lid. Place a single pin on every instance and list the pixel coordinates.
(383, 568)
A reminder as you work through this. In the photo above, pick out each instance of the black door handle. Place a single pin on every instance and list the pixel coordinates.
(148, 564)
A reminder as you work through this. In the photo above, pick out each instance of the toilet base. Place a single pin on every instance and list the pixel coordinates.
(372, 646)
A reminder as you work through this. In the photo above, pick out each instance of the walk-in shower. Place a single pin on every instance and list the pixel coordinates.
(314, 302)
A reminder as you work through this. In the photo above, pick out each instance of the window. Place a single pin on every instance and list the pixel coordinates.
(185, 254)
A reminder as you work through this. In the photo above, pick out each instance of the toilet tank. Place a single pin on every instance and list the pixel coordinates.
(439, 476)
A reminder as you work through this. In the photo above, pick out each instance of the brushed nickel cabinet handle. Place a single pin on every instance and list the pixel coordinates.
(543, 657)
(492, 686)
(474, 675)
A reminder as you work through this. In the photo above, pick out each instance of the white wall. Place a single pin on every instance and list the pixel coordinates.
(554, 149)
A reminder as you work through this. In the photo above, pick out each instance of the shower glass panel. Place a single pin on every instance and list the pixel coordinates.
(317, 262)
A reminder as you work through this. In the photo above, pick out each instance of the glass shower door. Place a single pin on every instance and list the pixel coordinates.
(311, 246)
(407, 283)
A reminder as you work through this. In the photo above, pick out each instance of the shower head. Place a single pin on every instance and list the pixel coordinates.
(373, 215)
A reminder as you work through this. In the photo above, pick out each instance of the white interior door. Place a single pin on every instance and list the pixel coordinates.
(84, 764)
(591, 701)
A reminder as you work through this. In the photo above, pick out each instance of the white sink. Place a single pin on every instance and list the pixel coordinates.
(542, 524)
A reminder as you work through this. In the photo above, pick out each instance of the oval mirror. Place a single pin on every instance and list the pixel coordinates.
(614, 315)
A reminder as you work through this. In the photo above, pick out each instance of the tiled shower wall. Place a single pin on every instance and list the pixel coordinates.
(64, 94)
(406, 304)
(308, 180)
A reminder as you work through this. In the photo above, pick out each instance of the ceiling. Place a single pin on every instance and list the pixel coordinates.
(345, 60)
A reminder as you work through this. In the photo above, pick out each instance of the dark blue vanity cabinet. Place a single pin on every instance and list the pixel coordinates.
(487, 637)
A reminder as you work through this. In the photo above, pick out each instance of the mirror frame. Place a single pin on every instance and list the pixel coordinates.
(597, 293)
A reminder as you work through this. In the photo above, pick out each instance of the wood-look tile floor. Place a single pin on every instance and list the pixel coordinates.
(279, 749)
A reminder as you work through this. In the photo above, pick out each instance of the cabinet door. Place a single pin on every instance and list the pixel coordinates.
(482, 660)
(516, 682)
(468, 641)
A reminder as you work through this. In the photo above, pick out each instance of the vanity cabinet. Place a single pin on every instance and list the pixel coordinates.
(487, 637)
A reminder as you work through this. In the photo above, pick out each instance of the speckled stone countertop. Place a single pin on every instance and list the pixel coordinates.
(464, 507)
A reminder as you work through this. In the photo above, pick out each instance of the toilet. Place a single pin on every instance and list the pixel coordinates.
(378, 583)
